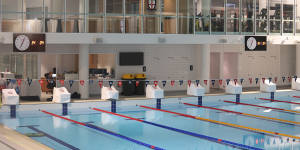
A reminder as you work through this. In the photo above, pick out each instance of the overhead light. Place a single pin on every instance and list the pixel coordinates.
(268, 110)
(297, 108)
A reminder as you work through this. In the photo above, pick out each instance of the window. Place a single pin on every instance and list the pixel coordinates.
(202, 13)
(12, 16)
(261, 16)
(33, 17)
(95, 16)
(115, 20)
(151, 19)
(288, 17)
(54, 10)
(247, 16)
(233, 12)
(217, 15)
(168, 21)
(185, 17)
(275, 16)
(133, 14)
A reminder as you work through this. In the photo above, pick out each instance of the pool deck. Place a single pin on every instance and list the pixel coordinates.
(12, 140)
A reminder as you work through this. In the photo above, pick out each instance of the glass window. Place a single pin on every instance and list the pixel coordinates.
(132, 18)
(261, 16)
(202, 13)
(152, 7)
(288, 17)
(133, 24)
(114, 6)
(233, 12)
(11, 22)
(54, 10)
(151, 24)
(297, 17)
(96, 6)
(11, 6)
(168, 25)
(33, 19)
(247, 16)
(185, 8)
(217, 15)
(75, 16)
(275, 16)
(168, 7)
(185, 25)
(115, 24)
(133, 7)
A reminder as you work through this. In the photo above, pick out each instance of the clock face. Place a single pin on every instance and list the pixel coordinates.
(22, 42)
(251, 43)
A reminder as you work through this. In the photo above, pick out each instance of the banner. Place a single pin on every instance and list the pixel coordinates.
(155, 83)
(263, 80)
(227, 81)
(256, 80)
(62, 82)
(172, 83)
(164, 83)
(213, 82)
(270, 80)
(100, 83)
(180, 82)
(146, 83)
(119, 83)
(275, 79)
(29, 81)
(289, 78)
(295, 78)
(19, 81)
(189, 82)
(13, 81)
(71, 83)
(197, 82)
(81, 82)
(283, 79)
(242, 80)
(250, 80)
(235, 81)
(41, 82)
(110, 83)
(137, 83)
(220, 82)
(91, 82)
(8, 81)
(205, 82)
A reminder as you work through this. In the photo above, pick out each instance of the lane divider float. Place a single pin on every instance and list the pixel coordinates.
(225, 123)
(273, 100)
(296, 96)
(213, 139)
(249, 115)
(266, 107)
(104, 130)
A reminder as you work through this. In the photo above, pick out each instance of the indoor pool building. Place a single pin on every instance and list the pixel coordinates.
(150, 74)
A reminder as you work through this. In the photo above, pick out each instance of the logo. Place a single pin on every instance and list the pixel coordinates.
(151, 4)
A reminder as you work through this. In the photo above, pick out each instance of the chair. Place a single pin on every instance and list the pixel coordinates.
(61, 95)
(233, 88)
(109, 93)
(195, 90)
(154, 92)
(10, 97)
(296, 84)
(267, 86)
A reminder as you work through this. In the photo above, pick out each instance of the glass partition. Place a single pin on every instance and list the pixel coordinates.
(11, 16)
(114, 20)
(95, 18)
(233, 14)
(202, 16)
(33, 17)
(288, 16)
(54, 13)
(168, 20)
(297, 16)
(133, 15)
(185, 17)
(75, 16)
(151, 19)
(247, 16)
(261, 16)
(217, 16)
(275, 16)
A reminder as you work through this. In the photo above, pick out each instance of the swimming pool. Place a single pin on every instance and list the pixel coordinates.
(174, 129)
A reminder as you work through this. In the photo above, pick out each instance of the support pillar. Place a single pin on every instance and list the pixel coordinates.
(84, 71)
(298, 60)
(204, 65)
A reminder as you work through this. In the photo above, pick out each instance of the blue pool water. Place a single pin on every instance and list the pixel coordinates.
(82, 137)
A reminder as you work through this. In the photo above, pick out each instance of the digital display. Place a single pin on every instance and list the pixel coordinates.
(131, 58)
(23, 42)
(255, 43)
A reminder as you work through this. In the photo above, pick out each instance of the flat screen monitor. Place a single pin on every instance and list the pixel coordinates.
(131, 58)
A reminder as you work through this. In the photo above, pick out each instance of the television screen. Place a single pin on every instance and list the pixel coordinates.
(131, 58)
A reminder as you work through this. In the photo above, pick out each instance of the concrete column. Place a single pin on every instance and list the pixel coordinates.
(84, 71)
(204, 65)
(298, 60)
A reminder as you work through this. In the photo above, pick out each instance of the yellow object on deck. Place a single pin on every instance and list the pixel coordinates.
(128, 76)
(140, 76)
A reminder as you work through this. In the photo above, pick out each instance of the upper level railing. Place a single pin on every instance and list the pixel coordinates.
(234, 17)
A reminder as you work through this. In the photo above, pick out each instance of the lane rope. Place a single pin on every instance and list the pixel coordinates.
(273, 100)
(296, 96)
(225, 123)
(182, 131)
(249, 115)
(104, 130)
(266, 107)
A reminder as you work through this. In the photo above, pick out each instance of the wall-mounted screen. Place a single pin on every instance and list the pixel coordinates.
(255, 43)
(131, 58)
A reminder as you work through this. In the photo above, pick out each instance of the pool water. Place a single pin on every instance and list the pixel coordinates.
(81, 137)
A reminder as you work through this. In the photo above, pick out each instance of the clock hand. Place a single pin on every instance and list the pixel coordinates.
(22, 42)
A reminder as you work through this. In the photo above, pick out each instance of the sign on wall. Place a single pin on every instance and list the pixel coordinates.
(255, 43)
(23, 42)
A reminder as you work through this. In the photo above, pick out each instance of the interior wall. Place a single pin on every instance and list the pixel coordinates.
(230, 65)
(48, 62)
